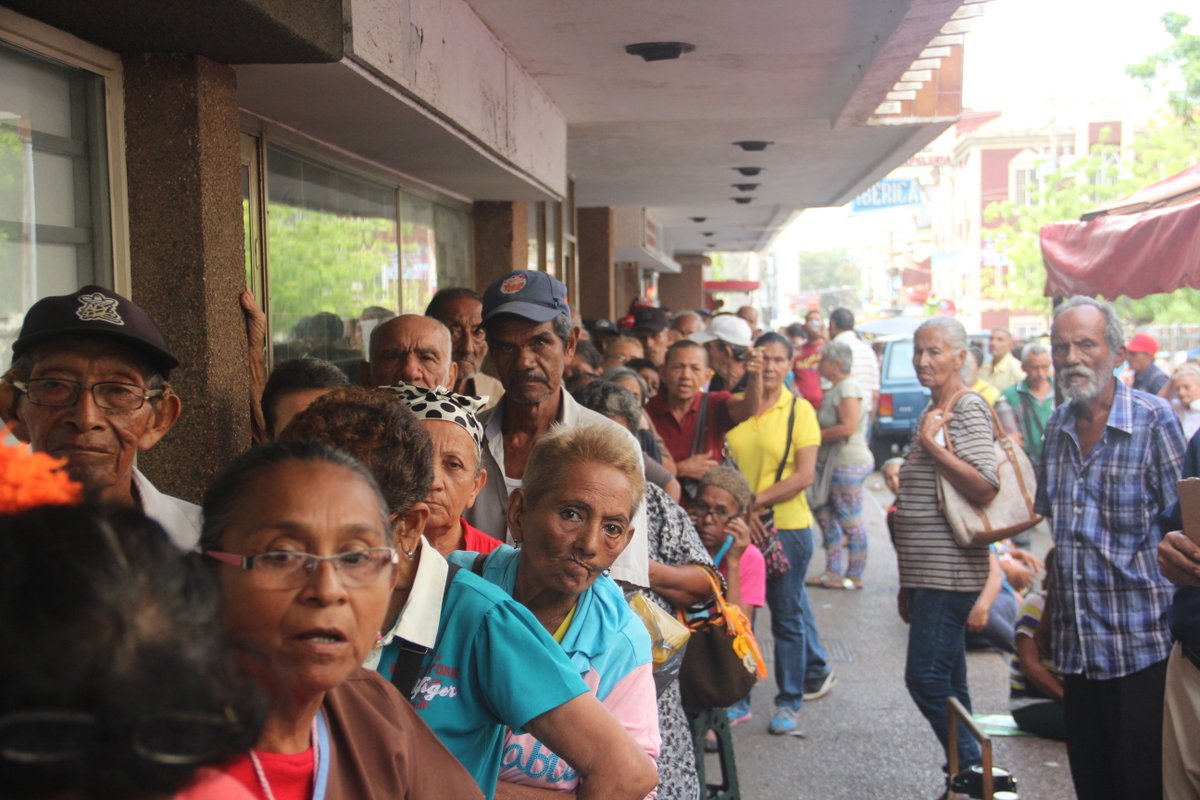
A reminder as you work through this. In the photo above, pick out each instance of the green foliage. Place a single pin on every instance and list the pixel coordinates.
(1178, 64)
(833, 275)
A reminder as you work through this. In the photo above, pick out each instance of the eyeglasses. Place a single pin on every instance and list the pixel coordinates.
(109, 395)
(289, 569)
(57, 737)
(698, 511)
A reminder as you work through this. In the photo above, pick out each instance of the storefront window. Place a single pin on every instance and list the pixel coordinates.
(55, 229)
(332, 259)
(418, 252)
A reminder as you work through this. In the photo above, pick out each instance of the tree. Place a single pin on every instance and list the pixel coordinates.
(1179, 62)
(1073, 185)
(833, 275)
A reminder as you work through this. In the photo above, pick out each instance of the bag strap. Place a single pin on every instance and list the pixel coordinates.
(698, 434)
(788, 444)
(411, 656)
(1031, 412)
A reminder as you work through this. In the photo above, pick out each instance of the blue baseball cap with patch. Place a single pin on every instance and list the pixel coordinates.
(535, 296)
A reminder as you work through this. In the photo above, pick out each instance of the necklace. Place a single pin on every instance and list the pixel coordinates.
(261, 774)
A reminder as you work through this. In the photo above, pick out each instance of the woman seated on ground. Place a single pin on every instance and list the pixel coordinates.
(458, 473)
(843, 463)
(572, 518)
(1036, 696)
(719, 512)
(299, 537)
(472, 659)
(117, 681)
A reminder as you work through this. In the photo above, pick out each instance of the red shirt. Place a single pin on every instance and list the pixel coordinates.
(290, 776)
(677, 435)
(808, 379)
(475, 540)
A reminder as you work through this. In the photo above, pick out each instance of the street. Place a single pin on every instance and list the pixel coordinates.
(866, 738)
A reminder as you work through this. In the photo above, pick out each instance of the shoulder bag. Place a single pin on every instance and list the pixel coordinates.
(722, 660)
(776, 559)
(1010, 512)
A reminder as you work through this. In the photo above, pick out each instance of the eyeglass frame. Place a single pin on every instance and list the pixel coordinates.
(145, 394)
(225, 721)
(309, 566)
(698, 511)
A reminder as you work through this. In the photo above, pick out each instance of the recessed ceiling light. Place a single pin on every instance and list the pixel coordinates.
(741, 200)
(710, 244)
(746, 187)
(749, 172)
(753, 145)
(708, 233)
(699, 219)
(659, 51)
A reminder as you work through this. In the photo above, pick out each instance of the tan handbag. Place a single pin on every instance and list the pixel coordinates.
(1011, 510)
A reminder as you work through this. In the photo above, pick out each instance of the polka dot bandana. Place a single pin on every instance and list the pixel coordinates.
(443, 404)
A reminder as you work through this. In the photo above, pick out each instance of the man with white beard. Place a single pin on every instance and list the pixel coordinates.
(1110, 463)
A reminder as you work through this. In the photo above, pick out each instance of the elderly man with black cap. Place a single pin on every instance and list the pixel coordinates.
(88, 383)
(650, 326)
(532, 338)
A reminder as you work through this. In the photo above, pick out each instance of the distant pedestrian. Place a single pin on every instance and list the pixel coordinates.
(1140, 353)
(1002, 371)
(1032, 399)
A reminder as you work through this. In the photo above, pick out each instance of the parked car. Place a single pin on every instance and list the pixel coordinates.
(902, 398)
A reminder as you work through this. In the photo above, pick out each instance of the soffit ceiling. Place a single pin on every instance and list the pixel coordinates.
(804, 74)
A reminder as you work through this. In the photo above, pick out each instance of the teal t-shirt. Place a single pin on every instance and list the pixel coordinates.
(493, 666)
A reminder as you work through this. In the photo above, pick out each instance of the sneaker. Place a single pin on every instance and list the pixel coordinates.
(817, 690)
(738, 715)
(785, 722)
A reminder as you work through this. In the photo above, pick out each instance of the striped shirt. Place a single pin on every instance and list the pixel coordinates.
(1110, 601)
(929, 556)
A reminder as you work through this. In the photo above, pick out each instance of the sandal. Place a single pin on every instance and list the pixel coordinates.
(829, 580)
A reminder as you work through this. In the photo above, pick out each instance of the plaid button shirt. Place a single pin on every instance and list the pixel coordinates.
(1109, 601)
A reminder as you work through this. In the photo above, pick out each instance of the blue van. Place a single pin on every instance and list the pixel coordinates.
(902, 398)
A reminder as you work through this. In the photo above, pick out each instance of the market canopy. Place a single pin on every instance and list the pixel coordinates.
(1146, 244)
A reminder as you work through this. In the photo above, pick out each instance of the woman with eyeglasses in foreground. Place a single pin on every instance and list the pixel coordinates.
(116, 681)
(300, 538)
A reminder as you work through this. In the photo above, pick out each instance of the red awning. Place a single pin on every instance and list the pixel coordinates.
(1145, 244)
(731, 286)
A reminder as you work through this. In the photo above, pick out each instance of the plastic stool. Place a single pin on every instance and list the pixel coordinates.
(717, 721)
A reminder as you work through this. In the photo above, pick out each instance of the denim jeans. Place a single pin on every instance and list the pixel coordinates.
(798, 652)
(937, 662)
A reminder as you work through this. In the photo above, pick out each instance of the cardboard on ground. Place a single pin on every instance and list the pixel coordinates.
(1189, 507)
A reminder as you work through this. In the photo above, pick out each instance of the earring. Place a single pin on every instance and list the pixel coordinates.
(378, 640)
(410, 554)
(606, 572)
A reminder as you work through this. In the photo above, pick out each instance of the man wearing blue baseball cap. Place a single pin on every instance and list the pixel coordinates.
(88, 384)
(532, 338)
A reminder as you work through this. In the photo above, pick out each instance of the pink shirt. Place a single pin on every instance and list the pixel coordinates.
(752, 570)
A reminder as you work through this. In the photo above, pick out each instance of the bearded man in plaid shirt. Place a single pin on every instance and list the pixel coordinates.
(1110, 463)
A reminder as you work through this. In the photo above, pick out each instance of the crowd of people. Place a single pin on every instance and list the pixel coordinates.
(417, 583)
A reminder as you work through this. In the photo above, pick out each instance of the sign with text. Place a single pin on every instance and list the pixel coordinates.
(889, 193)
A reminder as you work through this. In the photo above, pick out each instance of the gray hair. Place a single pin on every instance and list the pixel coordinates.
(952, 331)
(1034, 349)
(839, 353)
(563, 326)
(610, 400)
(1114, 332)
(614, 374)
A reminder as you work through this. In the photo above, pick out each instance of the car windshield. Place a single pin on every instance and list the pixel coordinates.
(899, 366)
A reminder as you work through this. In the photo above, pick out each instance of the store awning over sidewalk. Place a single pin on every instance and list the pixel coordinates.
(1146, 244)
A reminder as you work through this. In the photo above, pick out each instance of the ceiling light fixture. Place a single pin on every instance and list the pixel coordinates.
(699, 219)
(659, 51)
(749, 172)
(753, 145)
(708, 233)
(746, 187)
(741, 200)
(710, 244)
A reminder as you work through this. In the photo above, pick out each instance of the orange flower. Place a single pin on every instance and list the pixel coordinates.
(30, 479)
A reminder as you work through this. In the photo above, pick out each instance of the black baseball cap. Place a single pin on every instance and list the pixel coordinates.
(650, 318)
(95, 310)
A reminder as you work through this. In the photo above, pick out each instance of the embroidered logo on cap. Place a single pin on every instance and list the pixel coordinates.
(513, 284)
(98, 308)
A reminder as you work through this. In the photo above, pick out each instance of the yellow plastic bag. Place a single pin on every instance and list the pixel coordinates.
(668, 639)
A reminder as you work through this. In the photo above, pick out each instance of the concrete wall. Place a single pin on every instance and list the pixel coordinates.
(444, 55)
(686, 289)
(186, 254)
(501, 240)
(596, 270)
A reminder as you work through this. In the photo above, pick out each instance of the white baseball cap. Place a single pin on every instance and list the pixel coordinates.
(728, 329)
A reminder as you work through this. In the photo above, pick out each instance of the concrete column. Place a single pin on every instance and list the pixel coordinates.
(597, 277)
(501, 240)
(685, 290)
(187, 255)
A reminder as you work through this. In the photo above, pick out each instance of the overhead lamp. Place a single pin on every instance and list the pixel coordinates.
(710, 244)
(749, 172)
(746, 187)
(708, 233)
(741, 200)
(753, 145)
(659, 51)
